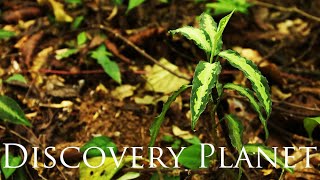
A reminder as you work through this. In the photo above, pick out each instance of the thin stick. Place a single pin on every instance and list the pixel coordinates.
(289, 9)
(303, 157)
(18, 135)
(141, 51)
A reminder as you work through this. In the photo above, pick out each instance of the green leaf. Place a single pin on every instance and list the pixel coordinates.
(310, 123)
(154, 129)
(20, 174)
(106, 171)
(65, 53)
(208, 25)
(218, 37)
(235, 131)
(77, 22)
(252, 149)
(250, 95)
(103, 143)
(4, 34)
(193, 140)
(204, 79)
(10, 111)
(258, 81)
(17, 77)
(134, 3)
(81, 38)
(73, 1)
(227, 6)
(13, 161)
(197, 35)
(191, 157)
(117, 2)
(110, 67)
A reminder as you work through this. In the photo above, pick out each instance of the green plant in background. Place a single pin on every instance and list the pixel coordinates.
(11, 112)
(310, 123)
(131, 4)
(4, 34)
(110, 67)
(206, 88)
(100, 54)
(227, 6)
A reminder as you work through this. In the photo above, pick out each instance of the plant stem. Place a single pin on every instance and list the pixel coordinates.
(211, 55)
(214, 125)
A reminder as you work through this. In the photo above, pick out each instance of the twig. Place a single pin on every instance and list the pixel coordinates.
(285, 9)
(302, 158)
(18, 135)
(141, 51)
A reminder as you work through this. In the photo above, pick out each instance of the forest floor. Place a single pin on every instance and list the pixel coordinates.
(70, 100)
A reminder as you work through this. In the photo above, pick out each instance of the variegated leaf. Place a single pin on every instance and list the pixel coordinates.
(218, 37)
(250, 70)
(235, 131)
(204, 79)
(197, 35)
(208, 24)
(154, 129)
(11, 112)
(250, 95)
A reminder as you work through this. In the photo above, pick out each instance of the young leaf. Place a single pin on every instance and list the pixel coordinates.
(106, 171)
(4, 34)
(226, 6)
(204, 79)
(191, 156)
(208, 25)
(65, 53)
(13, 161)
(74, 1)
(110, 67)
(251, 71)
(103, 143)
(10, 111)
(17, 77)
(154, 129)
(81, 38)
(250, 95)
(310, 123)
(77, 22)
(197, 35)
(134, 3)
(235, 131)
(252, 149)
(218, 37)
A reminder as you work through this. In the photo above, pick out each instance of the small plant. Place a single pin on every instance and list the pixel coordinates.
(227, 6)
(310, 123)
(206, 88)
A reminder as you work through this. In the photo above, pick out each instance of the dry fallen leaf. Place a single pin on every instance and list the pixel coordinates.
(63, 104)
(181, 133)
(162, 81)
(279, 94)
(123, 91)
(58, 10)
